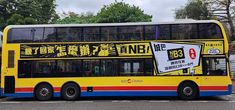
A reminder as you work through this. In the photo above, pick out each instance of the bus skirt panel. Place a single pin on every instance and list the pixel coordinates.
(204, 91)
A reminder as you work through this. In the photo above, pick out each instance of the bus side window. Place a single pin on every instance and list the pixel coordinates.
(49, 34)
(20, 35)
(150, 32)
(164, 32)
(109, 34)
(133, 67)
(214, 66)
(91, 34)
(130, 33)
(210, 31)
(37, 34)
(24, 69)
(184, 31)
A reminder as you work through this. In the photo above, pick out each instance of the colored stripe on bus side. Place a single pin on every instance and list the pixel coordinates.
(131, 91)
(29, 89)
(133, 88)
(213, 88)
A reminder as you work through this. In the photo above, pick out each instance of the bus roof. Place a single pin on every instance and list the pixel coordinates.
(114, 24)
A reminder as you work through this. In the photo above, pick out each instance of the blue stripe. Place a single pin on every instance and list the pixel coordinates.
(130, 93)
(230, 89)
(125, 93)
(1, 92)
(19, 95)
(27, 95)
(216, 93)
(213, 93)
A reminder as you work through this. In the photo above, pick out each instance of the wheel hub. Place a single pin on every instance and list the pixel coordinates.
(44, 92)
(188, 91)
(70, 92)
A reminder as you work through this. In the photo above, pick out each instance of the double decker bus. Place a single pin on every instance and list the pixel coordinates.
(188, 59)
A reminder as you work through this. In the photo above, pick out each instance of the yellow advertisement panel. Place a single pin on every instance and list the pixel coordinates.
(213, 47)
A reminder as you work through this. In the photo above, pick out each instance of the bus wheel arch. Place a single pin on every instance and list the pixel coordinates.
(43, 91)
(70, 91)
(188, 90)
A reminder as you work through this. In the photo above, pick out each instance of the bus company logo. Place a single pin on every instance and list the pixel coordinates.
(192, 53)
(129, 81)
(213, 51)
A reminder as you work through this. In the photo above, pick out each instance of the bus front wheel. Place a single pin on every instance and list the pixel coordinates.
(70, 91)
(43, 92)
(188, 91)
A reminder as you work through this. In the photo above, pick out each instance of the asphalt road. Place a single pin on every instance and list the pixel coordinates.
(121, 103)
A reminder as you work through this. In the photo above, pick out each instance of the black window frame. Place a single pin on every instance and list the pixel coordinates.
(22, 71)
(141, 36)
(206, 70)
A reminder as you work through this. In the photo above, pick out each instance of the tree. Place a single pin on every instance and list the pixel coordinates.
(72, 17)
(223, 10)
(121, 12)
(16, 19)
(45, 11)
(194, 9)
(113, 13)
(29, 12)
(7, 9)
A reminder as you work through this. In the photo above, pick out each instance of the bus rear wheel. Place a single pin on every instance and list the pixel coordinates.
(70, 91)
(188, 91)
(43, 92)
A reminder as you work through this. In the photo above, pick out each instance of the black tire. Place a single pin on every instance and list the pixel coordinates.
(70, 92)
(43, 92)
(188, 91)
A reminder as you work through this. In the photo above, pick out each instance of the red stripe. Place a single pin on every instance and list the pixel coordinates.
(106, 88)
(56, 89)
(23, 89)
(213, 87)
(83, 88)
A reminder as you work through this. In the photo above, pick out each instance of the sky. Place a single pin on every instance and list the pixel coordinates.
(161, 10)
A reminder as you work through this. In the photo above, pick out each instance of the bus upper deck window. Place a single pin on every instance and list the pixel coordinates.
(133, 33)
(164, 32)
(210, 31)
(20, 35)
(109, 33)
(149, 32)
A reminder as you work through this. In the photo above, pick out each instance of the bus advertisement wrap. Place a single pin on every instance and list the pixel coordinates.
(185, 59)
(84, 50)
(172, 56)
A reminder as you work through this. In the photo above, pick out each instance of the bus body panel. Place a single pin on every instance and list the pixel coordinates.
(128, 86)
(155, 85)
